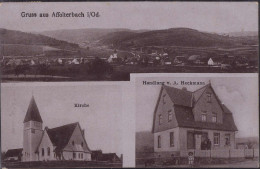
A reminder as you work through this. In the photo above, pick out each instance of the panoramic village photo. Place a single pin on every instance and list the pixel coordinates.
(61, 126)
(113, 39)
(197, 121)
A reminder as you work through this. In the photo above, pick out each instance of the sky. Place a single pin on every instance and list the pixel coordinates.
(239, 94)
(218, 17)
(101, 120)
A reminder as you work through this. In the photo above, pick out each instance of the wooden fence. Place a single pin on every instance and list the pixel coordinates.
(232, 153)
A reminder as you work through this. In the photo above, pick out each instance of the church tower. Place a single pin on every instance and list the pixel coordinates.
(32, 132)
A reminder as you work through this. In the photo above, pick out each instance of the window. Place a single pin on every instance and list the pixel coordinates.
(160, 119)
(42, 151)
(159, 141)
(79, 155)
(74, 155)
(214, 117)
(169, 115)
(209, 97)
(171, 139)
(216, 138)
(227, 139)
(204, 116)
(164, 102)
(48, 151)
(73, 143)
(81, 144)
(32, 130)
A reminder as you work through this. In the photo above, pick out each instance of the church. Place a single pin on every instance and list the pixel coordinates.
(61, 143)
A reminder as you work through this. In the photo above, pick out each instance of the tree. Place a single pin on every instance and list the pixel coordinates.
(99, 67)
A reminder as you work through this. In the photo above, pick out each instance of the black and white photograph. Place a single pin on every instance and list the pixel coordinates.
(50, 126)
(197, 121)
(107, 41)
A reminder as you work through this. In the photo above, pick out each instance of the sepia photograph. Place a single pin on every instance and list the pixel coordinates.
(197, 121)
(61, 126)
(107, 41)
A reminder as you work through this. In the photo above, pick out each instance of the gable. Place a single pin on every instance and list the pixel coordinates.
(208, 107)
(164, 107)
(45, 141)
(78, 139)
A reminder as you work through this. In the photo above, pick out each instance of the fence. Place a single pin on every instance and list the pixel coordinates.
(232, 153)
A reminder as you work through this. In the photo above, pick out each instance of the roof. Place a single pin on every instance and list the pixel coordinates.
(32, 113)
(185, 118)
(179, 96)
(14, 152)
(109, 157)
(60, 136)
(194, 57)
(184, 102)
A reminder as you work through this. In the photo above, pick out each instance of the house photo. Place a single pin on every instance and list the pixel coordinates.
(207, 117)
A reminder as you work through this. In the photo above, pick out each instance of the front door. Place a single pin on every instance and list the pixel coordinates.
(197, 141)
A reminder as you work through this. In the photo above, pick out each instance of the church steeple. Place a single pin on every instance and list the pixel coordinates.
(33, 113)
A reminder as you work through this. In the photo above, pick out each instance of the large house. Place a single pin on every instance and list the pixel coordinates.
(61, 143)
(185, 120)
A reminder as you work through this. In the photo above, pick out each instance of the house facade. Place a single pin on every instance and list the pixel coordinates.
(185, 120)
(61, 143)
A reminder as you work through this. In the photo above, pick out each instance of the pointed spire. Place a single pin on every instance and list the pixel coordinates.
(33, 113)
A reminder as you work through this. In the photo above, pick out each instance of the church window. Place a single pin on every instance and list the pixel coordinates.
(49, 151)
(73, 143)
(42, 151)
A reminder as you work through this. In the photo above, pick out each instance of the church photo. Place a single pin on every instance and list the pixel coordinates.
(50, 126)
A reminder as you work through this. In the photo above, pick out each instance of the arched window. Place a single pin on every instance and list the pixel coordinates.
(42, 151)
(49, 151)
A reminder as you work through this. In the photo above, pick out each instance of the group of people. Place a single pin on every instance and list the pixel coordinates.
(206, 144)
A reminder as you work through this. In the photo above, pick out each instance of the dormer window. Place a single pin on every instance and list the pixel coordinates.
(204, 116)
(209, 97)
(160, 119)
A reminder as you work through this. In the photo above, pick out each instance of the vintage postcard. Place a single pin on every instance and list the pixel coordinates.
(195, 120)
(64, 125)
(107, 41)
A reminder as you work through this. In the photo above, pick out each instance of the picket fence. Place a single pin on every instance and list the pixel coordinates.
(232, 153)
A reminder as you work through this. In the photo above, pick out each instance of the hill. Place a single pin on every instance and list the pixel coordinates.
(23, 38)
(170, 37)
(80, 35)
(22, 43)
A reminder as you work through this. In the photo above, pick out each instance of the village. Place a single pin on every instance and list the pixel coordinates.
(65, 63)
